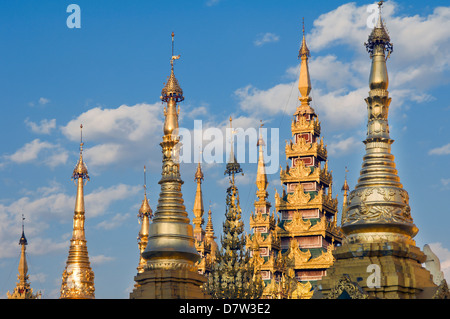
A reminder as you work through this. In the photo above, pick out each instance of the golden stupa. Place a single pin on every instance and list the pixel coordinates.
(23, 289)
(171, 270)
(78, 277)
(378, 257)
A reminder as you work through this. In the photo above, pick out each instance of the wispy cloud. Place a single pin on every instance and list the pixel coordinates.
(343, 146)
(443, 150)
(210, 3)
(43, 101)
(264, 38)
(41, 152)
(44, 127)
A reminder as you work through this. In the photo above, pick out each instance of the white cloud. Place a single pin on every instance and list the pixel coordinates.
(115, 135)
(267, 37)
(40, 152)
(445, 182)
(443, 150)
(125, 123)
(44, 101)
(343, 146)
(103, 154)
(29, 151)
(44, 127)
(100, 259)
(210, 3)
(113, 222)
(278, 99)
(98, 201)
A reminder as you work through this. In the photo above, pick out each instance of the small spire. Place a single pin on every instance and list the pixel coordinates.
(144, 216)
(233, 167)
(145, 207)
(304, 51)
(261, 176)
(23, 289)
(304, 82)
(345, 188)
(198, 203)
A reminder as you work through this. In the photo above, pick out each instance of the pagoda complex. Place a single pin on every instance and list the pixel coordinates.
(78, 277)
(23, 289)
(204, 238)
(170, 271)
(308, 229)
(378, 257)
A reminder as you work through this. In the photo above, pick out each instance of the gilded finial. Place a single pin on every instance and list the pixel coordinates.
(345, 187)
(233, 167)
(80, 169)
(172, 89)
(304, 51)
(304, 82)
(379, 36)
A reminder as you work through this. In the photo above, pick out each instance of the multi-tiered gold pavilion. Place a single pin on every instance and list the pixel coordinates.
(378, 257)
(170, 271)
(308, 228)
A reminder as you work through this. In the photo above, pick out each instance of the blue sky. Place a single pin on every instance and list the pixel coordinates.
(238, 58)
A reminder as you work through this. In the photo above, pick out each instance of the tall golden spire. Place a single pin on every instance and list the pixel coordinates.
(78, 277)
(23, 289)
(384, 207)
(307, 227)
(209, 232)
(378, 257)
(170, 253)
(145, 214)
(304, 82)
(345, 188)
(198, 202)
(261, 176)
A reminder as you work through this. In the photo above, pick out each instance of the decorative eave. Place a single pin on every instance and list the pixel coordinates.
(301, 200)
(302, 148)
(271, 240)
(301, 227)
(302, 173)
(260, 219)
(270, 264)
(305, 126)
(302, 260)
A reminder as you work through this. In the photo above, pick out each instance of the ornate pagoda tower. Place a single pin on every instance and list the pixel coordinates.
(264, 243)
(23, 289)
(78, 277)
(204, 238)
(308, 211)
(144, 216)
(378, 257)
(171, 271)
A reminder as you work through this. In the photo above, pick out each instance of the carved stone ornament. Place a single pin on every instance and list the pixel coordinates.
(345, 288)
